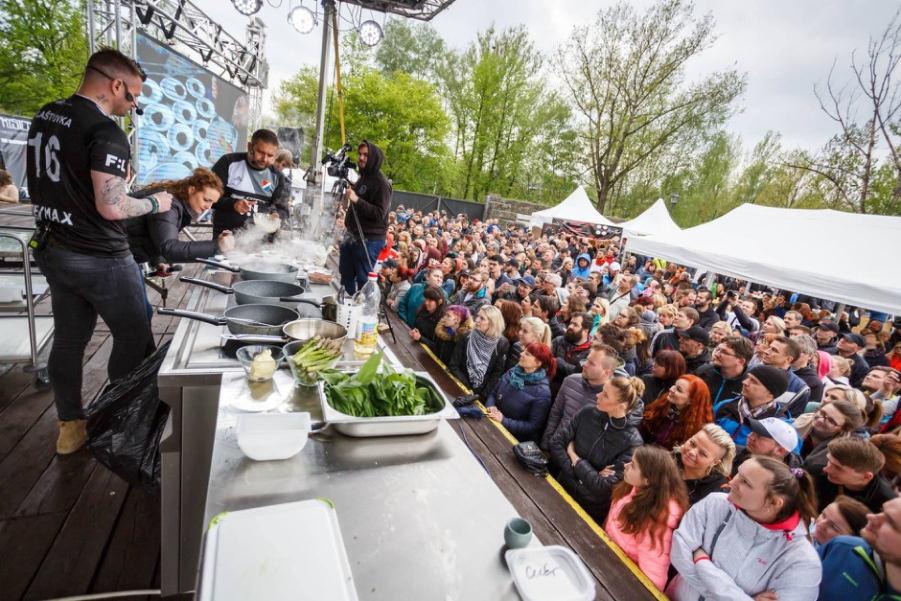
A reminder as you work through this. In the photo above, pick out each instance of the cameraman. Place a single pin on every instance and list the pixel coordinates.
(369, 200)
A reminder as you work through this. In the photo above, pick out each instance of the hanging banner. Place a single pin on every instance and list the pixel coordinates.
(13, 143)
(582, 228)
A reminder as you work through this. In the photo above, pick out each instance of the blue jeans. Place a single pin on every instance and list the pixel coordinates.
(81, 288)
(352, 263)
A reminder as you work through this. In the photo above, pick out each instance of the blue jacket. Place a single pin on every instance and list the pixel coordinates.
(582, 272)
(849, 571)
(525, 411)
(726, 415)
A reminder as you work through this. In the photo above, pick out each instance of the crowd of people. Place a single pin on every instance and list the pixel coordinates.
(736, 441)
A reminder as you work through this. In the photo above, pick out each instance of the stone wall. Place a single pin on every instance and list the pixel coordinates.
(505, 209)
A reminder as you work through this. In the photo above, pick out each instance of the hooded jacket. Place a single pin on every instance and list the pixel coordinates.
(375, 192)
(582, 272)
(599, 441)
(852, 570)
(746, 560)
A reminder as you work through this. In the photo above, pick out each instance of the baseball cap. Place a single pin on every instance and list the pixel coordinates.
(773, 427)
(615, 266)
(855, 339)
(696, 333)
(527, 280)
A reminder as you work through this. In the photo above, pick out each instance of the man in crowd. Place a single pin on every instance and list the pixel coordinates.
(580, 389)
(573, 347)
(726, 371)
(693, 346)
(497, 275)
(707, 315)
(882, 384)
(825, 335)
(474, 295)
(369, 200)
(668, 338)
(621, 297)
(803, 367)
(762, 386)
(77, 180)
(545, 309)
(852, 468)
(849, 347)
(770, 437)
(253, 184)
(782, 353)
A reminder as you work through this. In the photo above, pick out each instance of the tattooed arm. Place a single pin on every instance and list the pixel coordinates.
(113, 202)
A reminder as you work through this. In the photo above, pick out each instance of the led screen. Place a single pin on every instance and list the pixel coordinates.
(191, 117)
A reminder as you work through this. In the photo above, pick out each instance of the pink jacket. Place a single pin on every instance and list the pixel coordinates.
(653, 561)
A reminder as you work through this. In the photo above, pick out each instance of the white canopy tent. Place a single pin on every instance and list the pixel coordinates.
(845, 257)
(654, 220)
(575, 207)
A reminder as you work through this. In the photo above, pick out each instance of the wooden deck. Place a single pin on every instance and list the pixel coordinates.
(68, 526)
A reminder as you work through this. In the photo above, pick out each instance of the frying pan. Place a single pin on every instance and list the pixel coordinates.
(303, 329)
(258, 292)
(263, 270)
(268, 314)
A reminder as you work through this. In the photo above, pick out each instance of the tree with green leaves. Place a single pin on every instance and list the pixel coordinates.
(625, 75)
(43, 50)
(401, 114)
(414, 48)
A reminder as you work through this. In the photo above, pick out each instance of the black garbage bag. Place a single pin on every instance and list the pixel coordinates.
(126, 422)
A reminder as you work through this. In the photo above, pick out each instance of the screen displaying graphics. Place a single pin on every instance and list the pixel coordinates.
(191, 117)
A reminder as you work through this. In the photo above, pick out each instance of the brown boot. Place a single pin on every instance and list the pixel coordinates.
(72, 436)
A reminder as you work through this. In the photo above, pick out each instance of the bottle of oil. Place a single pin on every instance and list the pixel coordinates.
(368, 321)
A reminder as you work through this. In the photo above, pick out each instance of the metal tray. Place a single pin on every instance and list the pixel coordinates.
(395, 425)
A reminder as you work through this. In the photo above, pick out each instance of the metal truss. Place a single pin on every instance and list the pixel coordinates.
(424, 10)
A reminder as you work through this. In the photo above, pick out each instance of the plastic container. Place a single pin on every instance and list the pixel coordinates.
(272, 436)
(246, 354)
(367, 334)
(551, 573)
(292, 551)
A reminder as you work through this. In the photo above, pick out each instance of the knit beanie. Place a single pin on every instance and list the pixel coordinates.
(773, 379)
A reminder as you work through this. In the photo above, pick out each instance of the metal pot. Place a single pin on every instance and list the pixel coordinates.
(277, 317)
(263, 270)
(259, 292)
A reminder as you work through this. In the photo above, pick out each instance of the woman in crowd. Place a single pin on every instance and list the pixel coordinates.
(751, 543)
(452, 328)
(478, 359)
(719, 332)
(600, 310)
(647, 506)
(705, 461)
(843, 517)
(531, 329)
(870, 409)
(669, 366)
(677, 413)
(840, 371)
(627, 318)
(522, 398)
(760, 349)
(589, 453)
(154, 238)
(512, 314)
(428, 316)
(774, 325)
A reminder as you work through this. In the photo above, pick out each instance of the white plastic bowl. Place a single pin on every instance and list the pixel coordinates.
(272, 436)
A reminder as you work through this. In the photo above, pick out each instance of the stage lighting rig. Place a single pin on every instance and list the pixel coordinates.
(248, 7)
(370, 32)
(302, 18)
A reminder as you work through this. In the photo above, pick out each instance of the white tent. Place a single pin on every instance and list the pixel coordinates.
(575, 207)
(654, 220)
(845, 257)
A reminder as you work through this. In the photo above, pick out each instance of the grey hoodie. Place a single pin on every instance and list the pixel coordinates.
(748, 559)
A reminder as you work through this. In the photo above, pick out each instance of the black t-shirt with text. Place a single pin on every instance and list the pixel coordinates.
(67, 140)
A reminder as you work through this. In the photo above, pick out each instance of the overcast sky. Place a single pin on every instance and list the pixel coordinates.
(784, 46)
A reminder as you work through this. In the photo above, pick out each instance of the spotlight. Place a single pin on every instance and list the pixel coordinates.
(248, 7)
(302, 19)
(370, 32)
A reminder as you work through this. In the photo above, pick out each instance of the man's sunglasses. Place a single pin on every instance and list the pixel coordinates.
(128, 95)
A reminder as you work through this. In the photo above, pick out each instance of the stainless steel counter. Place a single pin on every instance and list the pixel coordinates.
(189, 383)
(419, 516)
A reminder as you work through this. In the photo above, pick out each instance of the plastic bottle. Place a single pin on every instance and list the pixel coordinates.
(368, 321)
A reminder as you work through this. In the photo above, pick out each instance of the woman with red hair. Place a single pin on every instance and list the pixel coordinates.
(678, 413)
(522, 398)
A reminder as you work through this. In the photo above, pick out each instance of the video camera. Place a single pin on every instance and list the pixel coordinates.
(338, 163)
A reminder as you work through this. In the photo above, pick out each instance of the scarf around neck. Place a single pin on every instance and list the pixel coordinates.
(479, 349)
(519, 378)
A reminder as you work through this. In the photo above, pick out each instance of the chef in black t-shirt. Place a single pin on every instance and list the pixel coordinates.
(77, 165)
